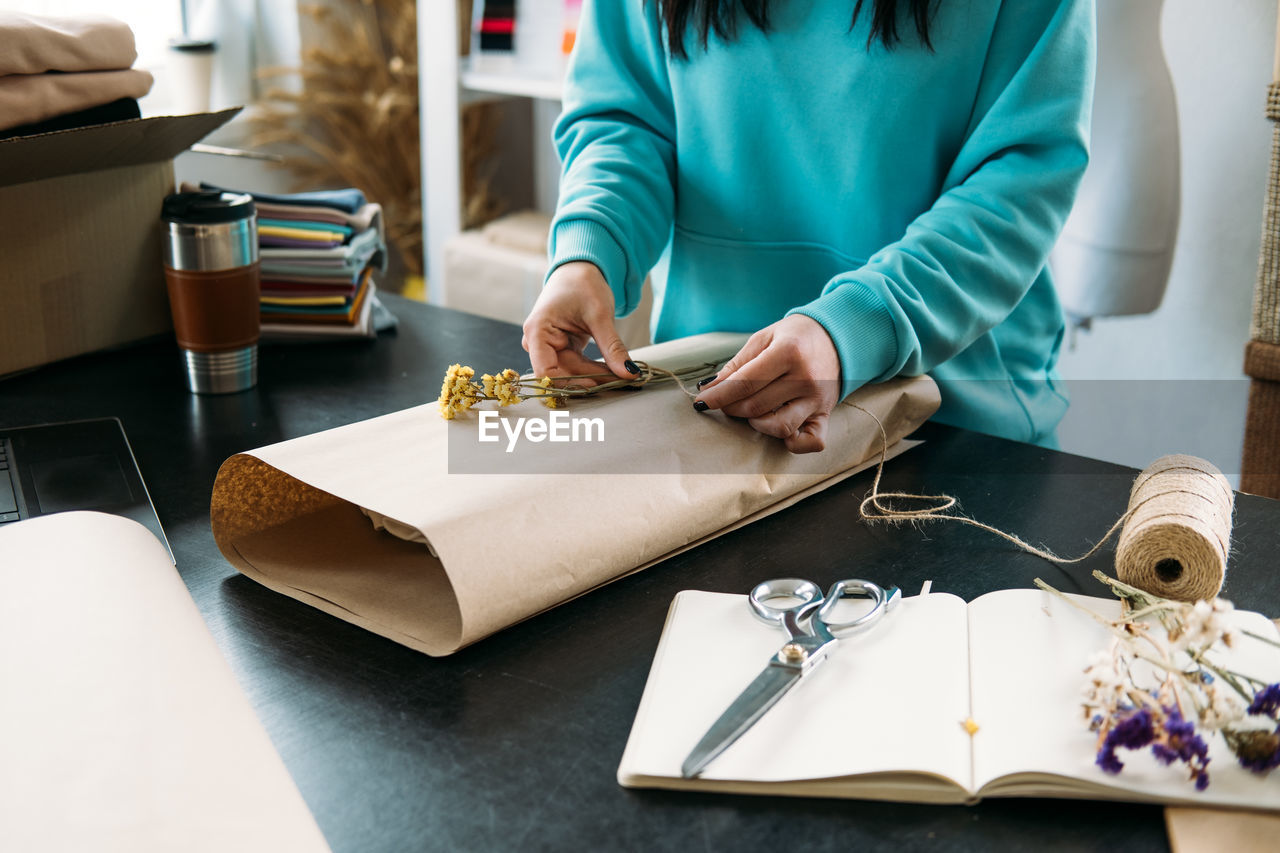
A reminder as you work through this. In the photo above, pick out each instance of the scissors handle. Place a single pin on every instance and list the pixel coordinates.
(805, 596)
(884, 599)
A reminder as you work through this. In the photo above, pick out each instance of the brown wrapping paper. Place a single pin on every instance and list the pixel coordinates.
(407, 526)
(1215, 830)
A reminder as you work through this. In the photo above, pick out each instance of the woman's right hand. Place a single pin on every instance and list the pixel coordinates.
(575, 306)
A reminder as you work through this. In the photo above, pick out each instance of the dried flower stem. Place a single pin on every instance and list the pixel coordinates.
(459, 392)
(1261, 639)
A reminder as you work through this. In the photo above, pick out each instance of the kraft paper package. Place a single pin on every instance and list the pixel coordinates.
(407, 524)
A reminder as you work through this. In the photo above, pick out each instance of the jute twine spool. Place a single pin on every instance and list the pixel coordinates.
(1177, 531)
(1174, 536)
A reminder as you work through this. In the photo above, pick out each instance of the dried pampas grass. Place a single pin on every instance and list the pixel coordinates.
(355, 120)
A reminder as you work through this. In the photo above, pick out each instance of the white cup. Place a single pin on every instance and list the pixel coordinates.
(190, 73)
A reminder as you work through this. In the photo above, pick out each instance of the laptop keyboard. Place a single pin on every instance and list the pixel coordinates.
(8, 497)
(70, 466)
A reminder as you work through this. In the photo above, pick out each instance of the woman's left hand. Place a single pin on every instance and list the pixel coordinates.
(785, 381)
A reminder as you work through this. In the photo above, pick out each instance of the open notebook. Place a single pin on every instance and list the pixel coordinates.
(883, 717)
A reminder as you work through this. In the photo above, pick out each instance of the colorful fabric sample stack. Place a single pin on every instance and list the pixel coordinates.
(319, 252)
(60, 73)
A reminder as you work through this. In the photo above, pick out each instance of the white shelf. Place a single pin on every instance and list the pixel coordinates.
(518, 85)
(447, 83)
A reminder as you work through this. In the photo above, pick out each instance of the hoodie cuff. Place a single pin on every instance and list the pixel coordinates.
(584, 240)
(861, 327)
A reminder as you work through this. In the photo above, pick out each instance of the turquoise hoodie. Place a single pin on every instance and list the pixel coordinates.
(905, 199)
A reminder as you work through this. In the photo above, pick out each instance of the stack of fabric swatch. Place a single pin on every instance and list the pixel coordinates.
(319, 252)
(63, 73)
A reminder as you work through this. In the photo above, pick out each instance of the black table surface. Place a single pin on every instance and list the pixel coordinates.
(514, 743)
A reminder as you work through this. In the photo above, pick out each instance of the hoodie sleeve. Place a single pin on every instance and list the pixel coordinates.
(616, 139)
(963, 265)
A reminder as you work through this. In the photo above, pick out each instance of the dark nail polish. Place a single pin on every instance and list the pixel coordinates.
(631, 365)
(699, 406)
(706, 381)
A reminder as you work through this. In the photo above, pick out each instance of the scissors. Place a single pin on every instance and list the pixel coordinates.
(811, 633)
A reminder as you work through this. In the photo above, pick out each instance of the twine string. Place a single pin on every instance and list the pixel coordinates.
(648, 373)
(883, 512)
(1174, 536)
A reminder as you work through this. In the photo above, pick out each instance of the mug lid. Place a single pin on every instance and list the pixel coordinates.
(207, 208)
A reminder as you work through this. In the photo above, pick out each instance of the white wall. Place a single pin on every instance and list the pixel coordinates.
(1183, 388)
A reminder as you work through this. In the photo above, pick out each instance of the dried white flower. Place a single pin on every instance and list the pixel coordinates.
(1202, 624)
(1104, 686)
(1223, 709)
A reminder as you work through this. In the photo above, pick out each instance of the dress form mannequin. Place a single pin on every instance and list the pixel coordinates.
(1116, 249)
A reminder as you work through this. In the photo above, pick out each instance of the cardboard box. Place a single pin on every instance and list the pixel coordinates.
(81, 237)
(491, 279)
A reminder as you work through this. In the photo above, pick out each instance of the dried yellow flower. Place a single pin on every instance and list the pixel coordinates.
(505, 389)
(550, 400)
(457, 393)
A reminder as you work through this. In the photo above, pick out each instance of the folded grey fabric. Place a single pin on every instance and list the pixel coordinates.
(33, 44)
(27, 98)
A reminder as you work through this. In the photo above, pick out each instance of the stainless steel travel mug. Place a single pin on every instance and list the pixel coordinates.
(211, 270)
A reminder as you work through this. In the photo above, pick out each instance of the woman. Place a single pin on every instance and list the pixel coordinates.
(872, 199)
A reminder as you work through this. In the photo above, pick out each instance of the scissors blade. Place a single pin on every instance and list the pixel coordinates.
(759, 696)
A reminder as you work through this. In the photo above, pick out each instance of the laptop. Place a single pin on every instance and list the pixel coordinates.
(76, 465)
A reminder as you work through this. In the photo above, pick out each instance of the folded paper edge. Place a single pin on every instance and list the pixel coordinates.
(243, 502)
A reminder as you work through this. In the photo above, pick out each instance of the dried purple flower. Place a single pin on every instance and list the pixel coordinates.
(1107, 760)
(1179, 742)
(1170, 736)
(1266, 701)
(1133, 731)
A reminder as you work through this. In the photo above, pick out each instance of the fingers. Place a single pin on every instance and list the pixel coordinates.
(751, 375)
(786, 420)
(543, 357)
(611, 347)
(575, 305)
(812, 435)
(548, 360)
(767, 400)
(801, 424)
(555, 351)
(560, 355)
(755, 345)
(784, 382)
(574, 363)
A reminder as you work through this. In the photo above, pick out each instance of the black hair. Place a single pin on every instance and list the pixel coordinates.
(721, 18)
